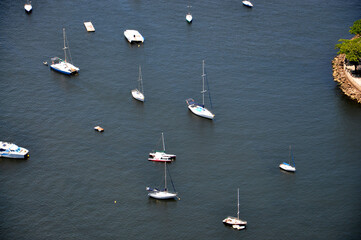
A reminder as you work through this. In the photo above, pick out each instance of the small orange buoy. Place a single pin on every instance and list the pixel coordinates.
(99, 129)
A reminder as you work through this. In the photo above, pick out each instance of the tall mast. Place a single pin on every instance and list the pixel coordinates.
(64, 44)
(165, 176)
(140, 80)
(238, 205)
(289, 159)
(163, 143)
(203, 91)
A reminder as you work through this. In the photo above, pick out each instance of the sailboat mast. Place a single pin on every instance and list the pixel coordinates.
(203, 91)
(64, 44)
(163, 143)
(140, 80)
(165, 176)
(238, 204)
(289, 158)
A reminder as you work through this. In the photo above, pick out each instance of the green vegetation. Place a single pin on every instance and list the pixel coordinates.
(352, 48)
(356, 28)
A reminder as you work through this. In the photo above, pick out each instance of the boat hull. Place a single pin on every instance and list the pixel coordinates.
(247, 4)
(189, 18)
(162, 195)
(234, 221)
(28, 8)
(65, 68)
(161, 157)
(287, 167)
(201, 111)
(10, 150)
(138, 95)
(133, 36)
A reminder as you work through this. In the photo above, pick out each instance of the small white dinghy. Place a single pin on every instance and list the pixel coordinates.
(235, 221)
(138, 93)
(237, 227)
(189, 17)
(247, 4)
(28, 8)
(162, 194)
(287, 166)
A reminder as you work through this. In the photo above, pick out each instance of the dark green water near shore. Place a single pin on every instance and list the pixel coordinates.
(270, 75)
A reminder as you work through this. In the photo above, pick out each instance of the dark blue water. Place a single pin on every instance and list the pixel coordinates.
(270, 75)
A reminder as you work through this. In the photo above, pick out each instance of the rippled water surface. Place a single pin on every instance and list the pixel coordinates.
(270, 78)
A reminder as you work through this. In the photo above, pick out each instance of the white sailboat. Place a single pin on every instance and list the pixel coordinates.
(196, 108)
(247, 3)
(235, 222)
(189, 16)
(287, 166)
(63, 66)
(162, 194)
(161, 156)
(28, 8)
(138, 93)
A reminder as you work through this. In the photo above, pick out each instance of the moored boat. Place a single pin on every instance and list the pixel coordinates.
(200, 109)
(247, 4)
(99, 129)
(162, 194)
(64, 66)
(133, 36)
(11, 150)
(138, 93)
(288, 166)
(161, 156)
(189, 16)
(235, 220)
(28, 7)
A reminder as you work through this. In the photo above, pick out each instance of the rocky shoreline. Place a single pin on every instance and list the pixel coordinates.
(344, 79)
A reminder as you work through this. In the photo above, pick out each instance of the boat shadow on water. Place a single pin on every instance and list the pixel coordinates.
(13, 161)
(287, 172)
(152, 201)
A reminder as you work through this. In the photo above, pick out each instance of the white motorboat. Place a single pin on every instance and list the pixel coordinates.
(247, 3)
(11, 150)
(133, 36)
(235, 220)
(189, 17)
(162, 194)
(287, 166)
(63, 66)
(28, 8)
(138, 93)
(161, 156)
(199, 109)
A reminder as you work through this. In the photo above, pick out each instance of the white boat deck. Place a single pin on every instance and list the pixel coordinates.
(133, 36)
(89, 26)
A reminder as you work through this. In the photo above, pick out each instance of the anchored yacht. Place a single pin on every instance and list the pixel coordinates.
(11, 150)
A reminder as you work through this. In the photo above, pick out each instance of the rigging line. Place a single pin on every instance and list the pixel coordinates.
(209, 92)
(171, 179)
(68, 48)
(159, 143)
